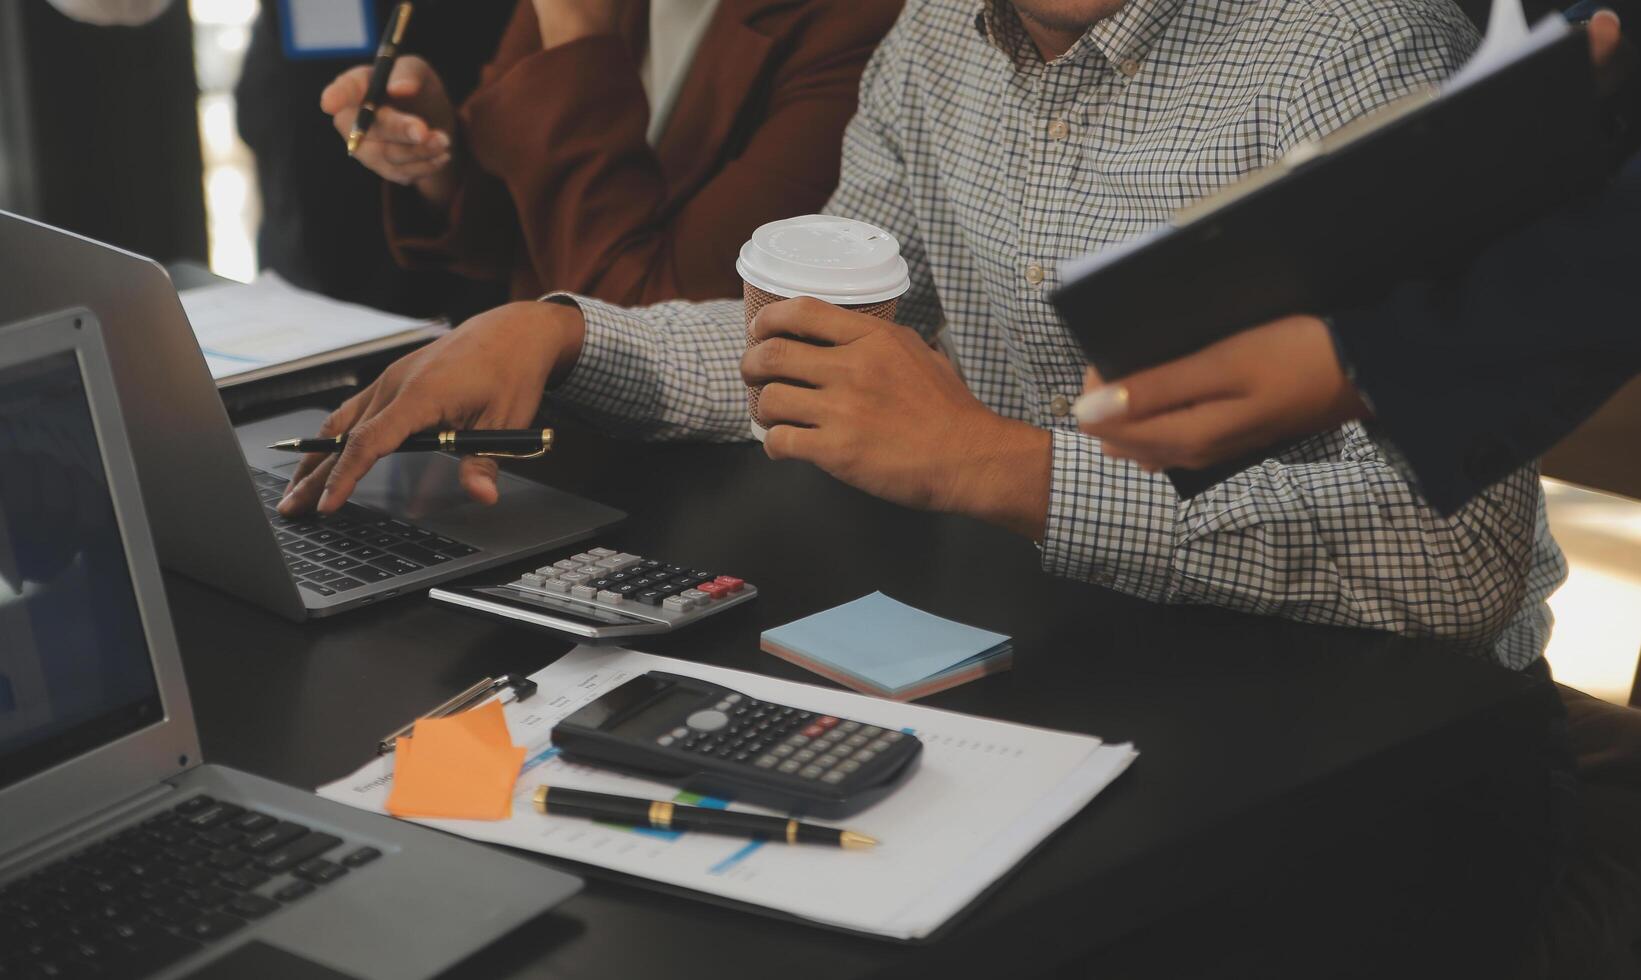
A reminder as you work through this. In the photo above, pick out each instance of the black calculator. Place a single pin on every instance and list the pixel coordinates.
(603, 596)
(717, 742)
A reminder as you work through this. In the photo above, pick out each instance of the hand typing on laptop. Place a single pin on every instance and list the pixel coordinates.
(879, 410)
(487, 374)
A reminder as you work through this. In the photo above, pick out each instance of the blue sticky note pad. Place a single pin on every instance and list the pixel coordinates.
(887, 644)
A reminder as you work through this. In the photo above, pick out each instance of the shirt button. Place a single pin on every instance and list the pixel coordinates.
(1034, 273)
(1058, 129)
(1129, 67)
(1060, 406)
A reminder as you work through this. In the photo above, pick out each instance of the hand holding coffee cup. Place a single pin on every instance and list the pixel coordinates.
(841, 261)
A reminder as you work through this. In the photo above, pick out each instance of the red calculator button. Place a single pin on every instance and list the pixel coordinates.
(714, 589)
(812, 731)
(826, 721)
(730, 583)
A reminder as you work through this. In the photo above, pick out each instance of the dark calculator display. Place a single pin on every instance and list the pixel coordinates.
(655, 717)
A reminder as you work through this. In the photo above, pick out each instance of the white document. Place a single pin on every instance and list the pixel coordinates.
(1508, 40)
(269, 327)
(985, 794)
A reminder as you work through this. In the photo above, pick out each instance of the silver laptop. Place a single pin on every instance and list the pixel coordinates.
(121, 853)
(211, 489)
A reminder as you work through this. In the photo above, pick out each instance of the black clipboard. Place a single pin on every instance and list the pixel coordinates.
(1402, 193)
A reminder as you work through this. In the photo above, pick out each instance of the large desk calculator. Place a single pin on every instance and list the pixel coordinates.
(602, 595)
(718, 742)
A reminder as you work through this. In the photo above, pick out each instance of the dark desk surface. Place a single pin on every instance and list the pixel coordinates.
(1284, 769)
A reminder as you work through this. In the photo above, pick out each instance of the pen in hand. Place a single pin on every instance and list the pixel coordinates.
(376, 92)
(499, 443)
(660, 815)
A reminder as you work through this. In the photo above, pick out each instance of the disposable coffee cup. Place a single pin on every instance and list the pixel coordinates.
(841, 261)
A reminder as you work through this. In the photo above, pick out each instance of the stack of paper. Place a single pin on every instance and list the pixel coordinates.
(1508, 40)
(270, 328)
(461, 767)
(879, 646)
(985, 795)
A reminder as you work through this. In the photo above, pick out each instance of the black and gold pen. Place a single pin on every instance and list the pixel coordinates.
(376, 92)
(659, 815)
(499, 443)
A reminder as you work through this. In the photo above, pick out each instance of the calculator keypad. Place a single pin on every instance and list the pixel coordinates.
(782, 739)
(749, 729)
(615, 580)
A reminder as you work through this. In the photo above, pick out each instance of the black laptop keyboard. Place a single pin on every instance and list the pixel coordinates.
(352, 548)
(152, 894)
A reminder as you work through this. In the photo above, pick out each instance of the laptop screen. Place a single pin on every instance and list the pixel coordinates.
(75, 671)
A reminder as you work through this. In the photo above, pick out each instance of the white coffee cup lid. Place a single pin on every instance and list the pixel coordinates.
(838, 260)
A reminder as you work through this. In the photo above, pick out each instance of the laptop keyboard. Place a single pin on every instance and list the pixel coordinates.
(352, 548)
(156, 892)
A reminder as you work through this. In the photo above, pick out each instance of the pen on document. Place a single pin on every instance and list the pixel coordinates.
(521, 687)
(499, 443)
(376, 92)
(660, 815)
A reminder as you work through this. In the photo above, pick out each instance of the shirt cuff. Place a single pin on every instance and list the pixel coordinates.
(1109, 522)
(614, 375)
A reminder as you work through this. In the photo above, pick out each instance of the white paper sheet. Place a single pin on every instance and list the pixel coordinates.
(985, 794)
(270, 327)
(1508, 39)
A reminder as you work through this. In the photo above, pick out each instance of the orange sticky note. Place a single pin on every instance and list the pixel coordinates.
(462, 767)
(487, 724)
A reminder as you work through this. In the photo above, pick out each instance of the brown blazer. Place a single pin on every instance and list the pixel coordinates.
(562, 191)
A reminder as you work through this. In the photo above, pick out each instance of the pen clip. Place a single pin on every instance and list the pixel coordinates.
(535, 455)
(401, 14)
(445, 708)
(522, 688)
(546, 444)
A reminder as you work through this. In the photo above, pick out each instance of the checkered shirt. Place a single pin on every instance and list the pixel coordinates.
(991, 166)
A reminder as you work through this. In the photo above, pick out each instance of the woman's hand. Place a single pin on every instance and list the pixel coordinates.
(412, 141)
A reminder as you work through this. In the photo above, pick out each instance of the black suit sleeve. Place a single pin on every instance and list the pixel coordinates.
(1478, 373)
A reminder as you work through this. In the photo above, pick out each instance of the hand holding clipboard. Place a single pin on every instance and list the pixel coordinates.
(1395, 195)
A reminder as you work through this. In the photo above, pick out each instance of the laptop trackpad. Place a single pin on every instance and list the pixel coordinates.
(412, 485)
(258, 961)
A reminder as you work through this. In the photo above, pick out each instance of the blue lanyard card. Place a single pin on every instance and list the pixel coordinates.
(328, 28)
